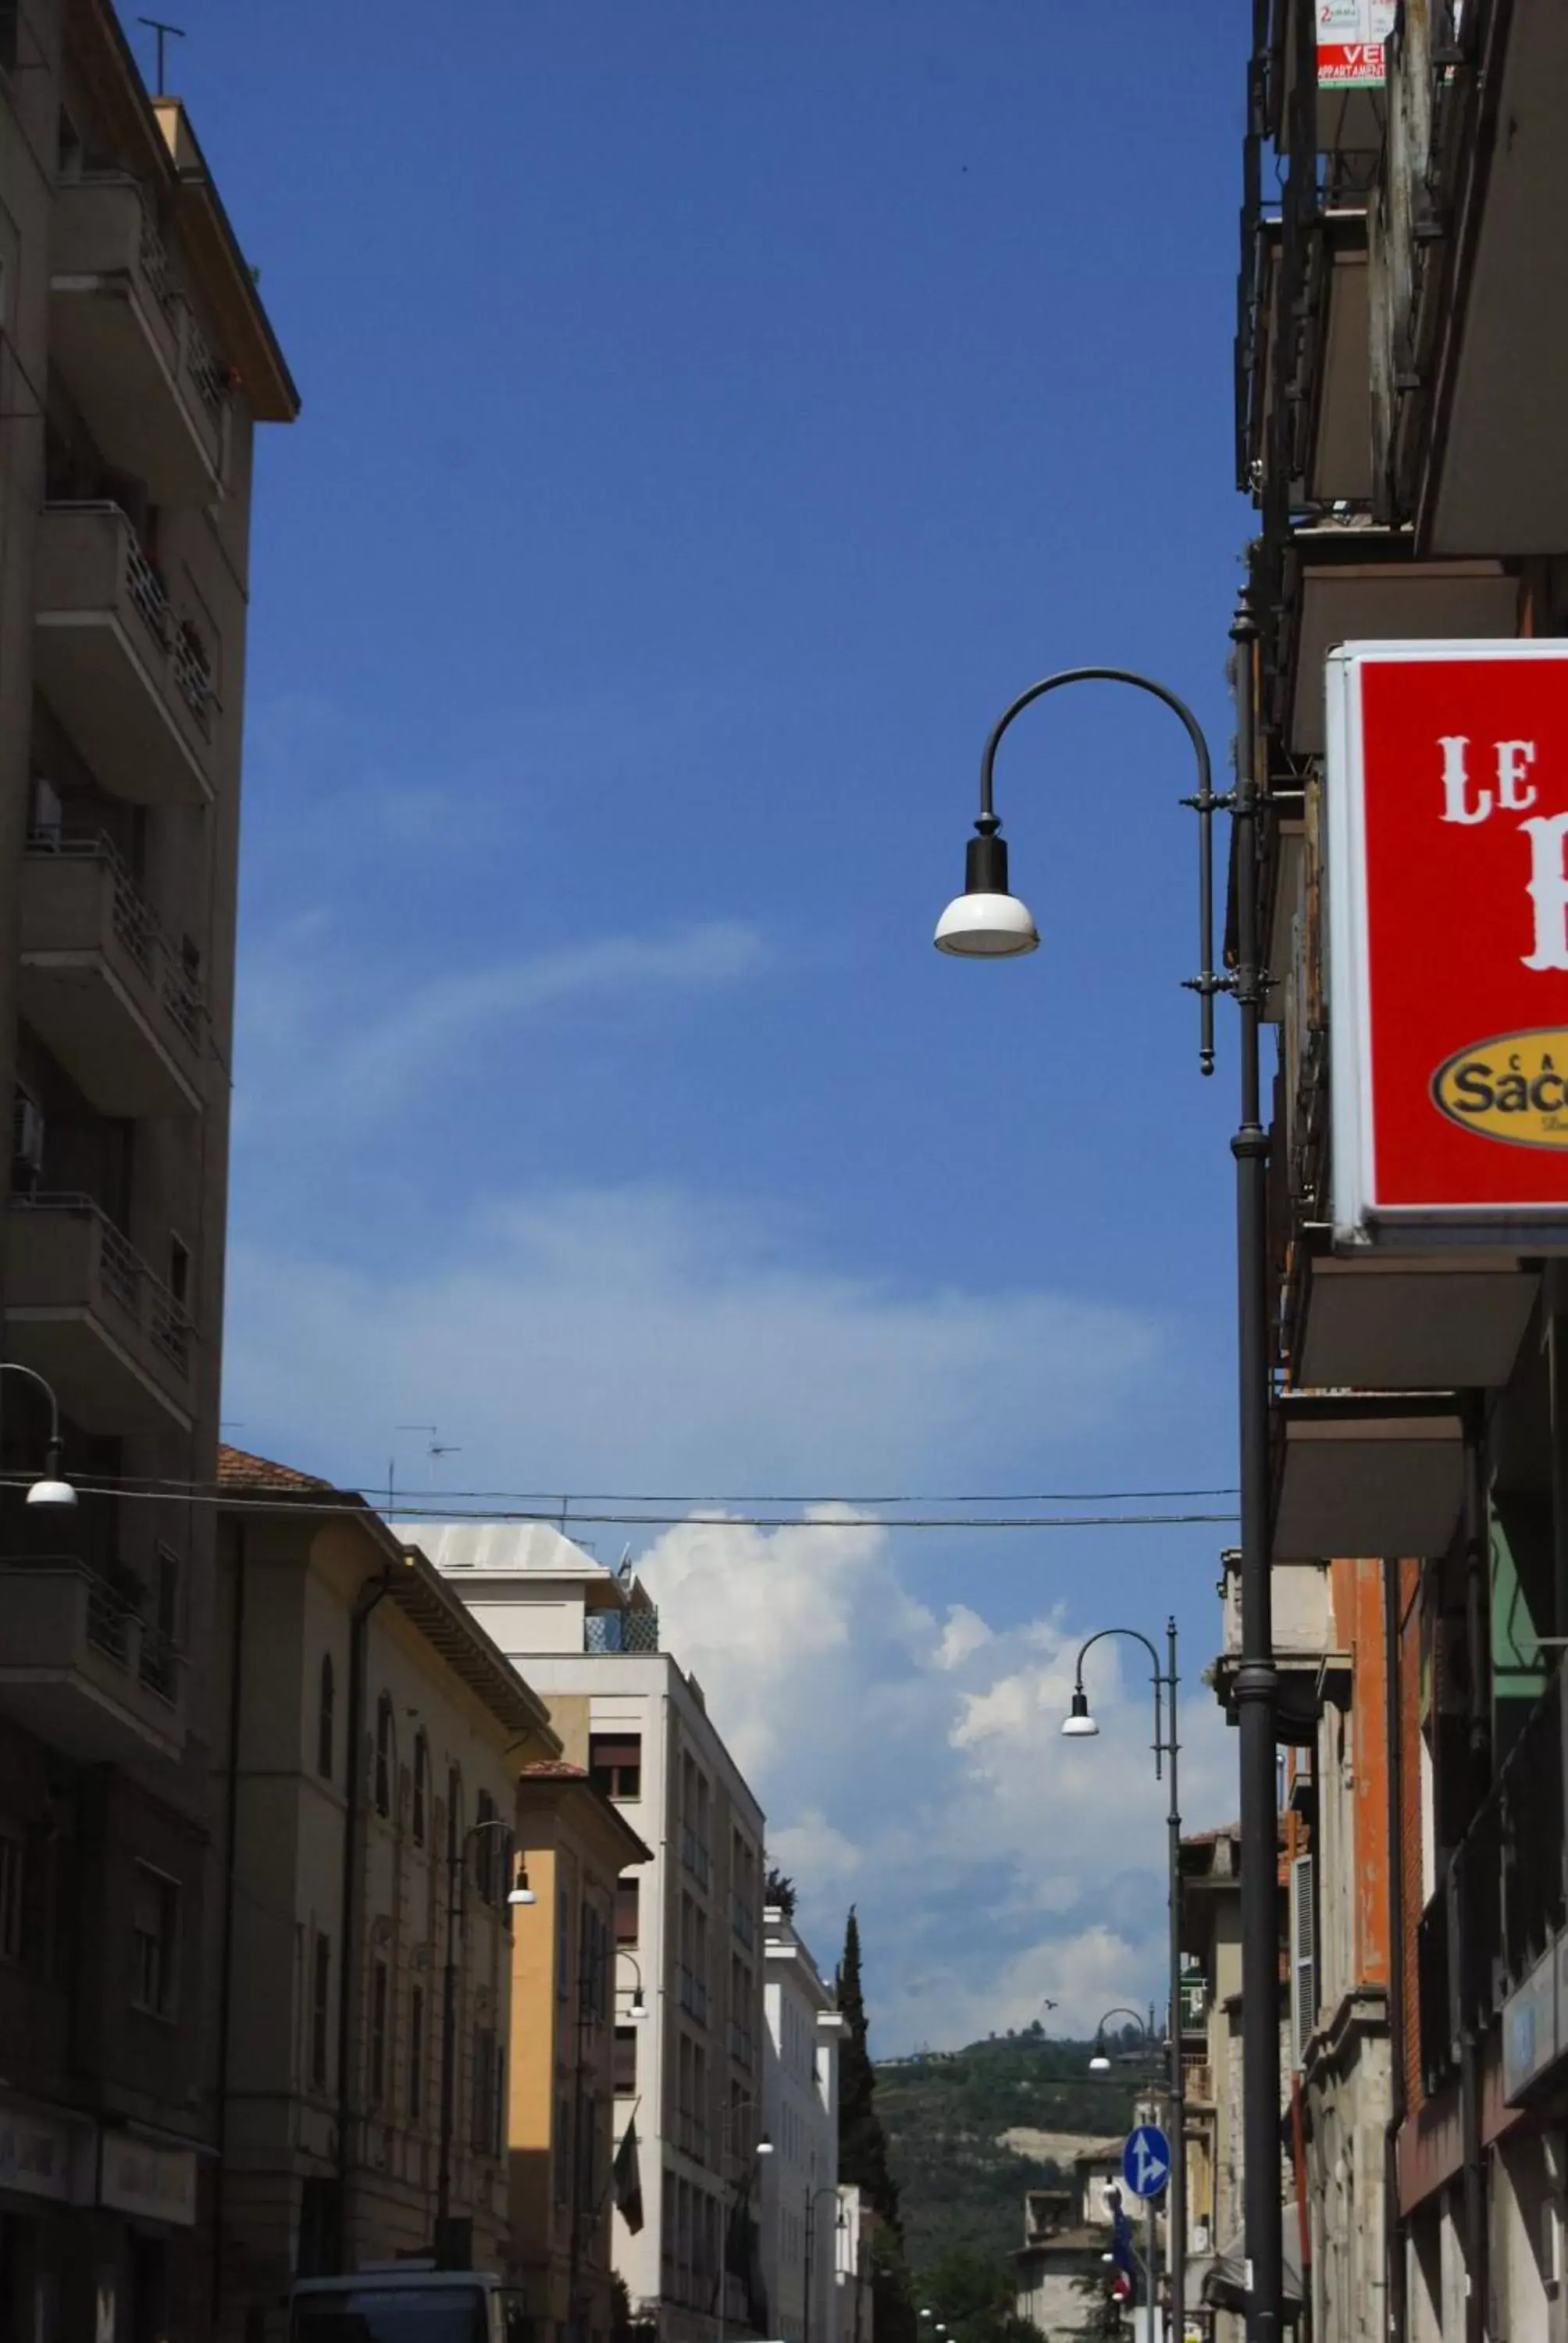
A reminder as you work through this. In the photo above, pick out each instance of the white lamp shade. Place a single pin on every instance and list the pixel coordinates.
(51, 1493)
(764, 2147)
(524, 1894)
(638, 2010)
(1079, 1728)
(1099, 2063)
(986, 927)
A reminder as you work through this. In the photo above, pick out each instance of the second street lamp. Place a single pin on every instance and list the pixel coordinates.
(987, 921)
(1080, 1724)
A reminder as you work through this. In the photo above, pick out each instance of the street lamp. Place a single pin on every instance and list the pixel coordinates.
(987, 921)
(639, 2008)
(1078, 1724)
(521, 1893)
(764, 2147)
(52, 1490)
(813, 2197)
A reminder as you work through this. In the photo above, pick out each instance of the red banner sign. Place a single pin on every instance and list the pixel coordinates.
(1448, 894)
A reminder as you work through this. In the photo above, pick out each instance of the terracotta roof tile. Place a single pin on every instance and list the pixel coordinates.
(554, 1769)
(238, 1469)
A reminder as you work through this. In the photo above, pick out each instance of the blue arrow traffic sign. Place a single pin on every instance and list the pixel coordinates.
(1146, 2160)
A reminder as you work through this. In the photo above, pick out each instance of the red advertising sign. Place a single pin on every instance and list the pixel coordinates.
(1447, 779)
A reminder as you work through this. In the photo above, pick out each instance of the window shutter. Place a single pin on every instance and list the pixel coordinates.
(1303, 1959)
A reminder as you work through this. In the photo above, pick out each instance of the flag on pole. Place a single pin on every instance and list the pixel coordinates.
(627, 2177)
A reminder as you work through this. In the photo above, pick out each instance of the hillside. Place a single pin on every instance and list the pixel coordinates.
(946, 2115)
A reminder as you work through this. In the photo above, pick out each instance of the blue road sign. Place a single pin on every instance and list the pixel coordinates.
(1146, 2160)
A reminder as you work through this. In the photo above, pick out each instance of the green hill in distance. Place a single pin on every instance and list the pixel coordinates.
(946, 2113)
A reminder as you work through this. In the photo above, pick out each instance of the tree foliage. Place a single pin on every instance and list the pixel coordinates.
(863, 2161)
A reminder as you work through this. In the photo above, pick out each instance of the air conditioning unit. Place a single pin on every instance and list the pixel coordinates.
(27, 1133)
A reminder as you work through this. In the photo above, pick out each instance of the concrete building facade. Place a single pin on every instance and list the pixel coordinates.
(136, 364)
(366, 1769)
(803, 2219)
(583, 1862)
(588, 1639)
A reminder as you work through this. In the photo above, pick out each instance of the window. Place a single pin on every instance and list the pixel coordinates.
(624, 2077)
(415, 2053)
(377, 2033)
(454, 1812)
(421, 1788)
(384, 1755)
(320, 2009)
(10, 1897)
(324, 1720)
(155, 1925)
(615, 1763)
(486, 2084)
(628, 1907)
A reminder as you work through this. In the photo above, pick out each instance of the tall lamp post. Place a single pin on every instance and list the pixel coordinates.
(988, 922)
(764, 2147)
(1080, 1724)
(813, 2197)
(519, 1893)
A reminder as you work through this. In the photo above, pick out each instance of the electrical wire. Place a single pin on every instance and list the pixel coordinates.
(261, 1499)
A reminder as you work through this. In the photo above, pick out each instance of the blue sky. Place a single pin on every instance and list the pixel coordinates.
(714, 412)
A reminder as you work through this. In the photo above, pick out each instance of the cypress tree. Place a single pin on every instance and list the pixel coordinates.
(863, 2154)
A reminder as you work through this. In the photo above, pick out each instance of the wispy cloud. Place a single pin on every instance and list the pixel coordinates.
(309, 1039)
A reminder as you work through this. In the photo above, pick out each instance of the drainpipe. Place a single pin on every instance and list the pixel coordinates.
(226, 1975)
(1393, 2219)
(370, 1594)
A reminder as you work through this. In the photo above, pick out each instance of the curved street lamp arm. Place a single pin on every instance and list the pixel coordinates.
(1138, 1637)
(14, 1367)
(1121, 2010)
(1206, 983)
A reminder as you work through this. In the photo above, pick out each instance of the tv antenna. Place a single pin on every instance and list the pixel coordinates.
(161, 33)
(435, 1446)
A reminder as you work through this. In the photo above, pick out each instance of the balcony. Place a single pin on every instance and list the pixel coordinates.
(1302, 1643)
(635, 1629)
(1195, 1992)
(101, 983)
(78, 1667)
(87, 1313)
(127, 678)
(1366, 1473)
(128, 347)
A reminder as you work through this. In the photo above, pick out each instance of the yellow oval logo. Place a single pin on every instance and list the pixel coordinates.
(1514, 1088)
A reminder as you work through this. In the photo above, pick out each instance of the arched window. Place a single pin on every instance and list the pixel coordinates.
(421, 1788)
(324, 1721)
(384, 1755)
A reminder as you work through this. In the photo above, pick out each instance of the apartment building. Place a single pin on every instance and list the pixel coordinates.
(1401, 331)
(366, 1760)
(136, 364)
(583, 1861)
(805, 2230)
(691, 1943)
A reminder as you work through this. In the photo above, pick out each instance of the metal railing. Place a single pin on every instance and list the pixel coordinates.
(159, 1661)
(177, 640)
(192, 674)
(621, 1631)
(135, 924)
(109, 1617)
(123, 1276)
(1195, 2004)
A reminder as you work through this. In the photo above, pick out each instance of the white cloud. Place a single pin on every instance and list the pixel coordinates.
(909, 1756)
(341, 1061)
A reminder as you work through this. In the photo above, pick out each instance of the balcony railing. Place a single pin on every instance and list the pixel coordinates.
(621, 1631)
(79, 1664)
(128, 344)
(127, 674)
(135, 925)
(695, 1858)
(1195, 2004)
(65, 1255)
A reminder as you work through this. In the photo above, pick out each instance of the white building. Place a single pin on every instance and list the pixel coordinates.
(689, 1923)
(804, 2224)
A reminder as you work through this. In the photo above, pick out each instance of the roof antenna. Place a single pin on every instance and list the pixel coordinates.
(161, 33)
